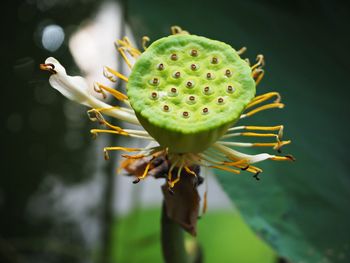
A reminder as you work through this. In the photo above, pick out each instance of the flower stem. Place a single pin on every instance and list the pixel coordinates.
(172, 239)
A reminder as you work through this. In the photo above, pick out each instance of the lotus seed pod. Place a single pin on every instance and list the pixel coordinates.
(188, 90)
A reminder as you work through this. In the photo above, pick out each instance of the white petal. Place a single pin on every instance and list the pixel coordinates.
(74, 88)
(251, 158)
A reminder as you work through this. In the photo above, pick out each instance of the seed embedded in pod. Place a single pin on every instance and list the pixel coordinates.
(166, 108)
(214, 60)
(194, 53)
(154, 95)
(220, 100)
(160, 66)
(186, 114)
(174, 57)
(155, 81)
(230, 89)
(205, 111)
(189, 84)
(194, 67)
(177, 74)
(228, 73)
(173, 92)
(207, 90)
(191, 99)
(209, 75)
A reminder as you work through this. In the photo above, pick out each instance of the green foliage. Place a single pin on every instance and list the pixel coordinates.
(223, 236)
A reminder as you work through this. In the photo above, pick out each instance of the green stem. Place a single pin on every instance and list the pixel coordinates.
(172, 238)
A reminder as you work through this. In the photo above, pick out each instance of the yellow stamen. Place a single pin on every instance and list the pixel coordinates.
(136, 156)
(114, 73)
(118, 148)
(262, 108)
(283, 158)
(188, 170)
(224, 168)
(125, 43)
(145, 40)
(205, 202)
(258, 74)
(275, 145)
(261, 98)
(260, 62)
(241, 50)
(96, 131)
(116, 94)
(126, 59)
(177, 179)
(177, 30)
(145, 172)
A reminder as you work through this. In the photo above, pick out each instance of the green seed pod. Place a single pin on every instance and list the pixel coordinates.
(188, 90)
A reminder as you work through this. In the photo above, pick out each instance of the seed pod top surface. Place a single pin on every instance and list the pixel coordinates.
(187, 85)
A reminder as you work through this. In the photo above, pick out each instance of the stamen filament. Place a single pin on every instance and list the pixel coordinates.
(107, 71)
(262, 108)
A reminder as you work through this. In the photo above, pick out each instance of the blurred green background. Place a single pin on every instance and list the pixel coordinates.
(57, 195)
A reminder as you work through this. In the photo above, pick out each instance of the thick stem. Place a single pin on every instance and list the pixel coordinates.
(172, 238)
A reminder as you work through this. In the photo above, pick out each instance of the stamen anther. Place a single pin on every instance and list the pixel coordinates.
(137, 180)
(48, 67)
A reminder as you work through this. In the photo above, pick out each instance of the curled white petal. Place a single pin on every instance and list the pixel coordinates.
(76, 89)
(250, 158)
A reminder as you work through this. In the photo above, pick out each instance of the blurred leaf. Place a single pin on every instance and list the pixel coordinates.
(302, 208)
(223, 236)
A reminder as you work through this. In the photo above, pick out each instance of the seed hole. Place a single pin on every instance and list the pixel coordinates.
(228, 73)
(191, 99)
(209, 75)
(155, 81)
(193, 67)
(154, 95)
(174, 57)
(230, 89)
(189, 84)
(160, 66)
(194, 53)
(214, 60)
(177, 74)
(166, 108)
(173, 92)
(185, 114)
(206, 90)
(205, 110)
(220, 100)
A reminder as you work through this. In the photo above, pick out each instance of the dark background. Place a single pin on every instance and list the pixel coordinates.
(306, 45)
